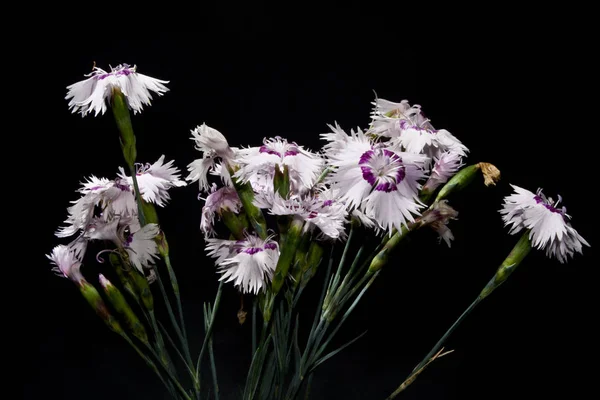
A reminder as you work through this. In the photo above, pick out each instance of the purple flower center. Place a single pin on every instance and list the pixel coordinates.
(270, 246)
(265, 149)
(327, 203)
(124, 71)
(383, 169)
(291, 151)
(252, 250)
(545, 203)
(121, 186)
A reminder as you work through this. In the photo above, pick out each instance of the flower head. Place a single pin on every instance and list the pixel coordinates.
(249, 263)
(100, 198)
(411, 131)
(303, 166)
(67, 262)
(446, 165)
(380, 182)
(213, 146)
(219, 200)
(92, 94)
(318, 211)
(141, 246)
(548, 225)
(154, 180)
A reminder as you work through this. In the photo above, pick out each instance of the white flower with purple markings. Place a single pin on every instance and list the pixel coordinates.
(411, 131)
(249, 263)
(444, 167)
(304, 167)
(154, 180)
(326, 214)
(93, 93)
(380, 182)
(67, 262)
(102, 198)
(548, 224)
(219, 200)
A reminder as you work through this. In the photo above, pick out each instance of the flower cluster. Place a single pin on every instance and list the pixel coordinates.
(108, 211)
(375, 177)
(281, 203)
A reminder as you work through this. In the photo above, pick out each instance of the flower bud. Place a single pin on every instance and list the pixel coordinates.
(281, 181)
(286, 256)
(118, 301)
(93, 298)
(254, 214)
(465, 176)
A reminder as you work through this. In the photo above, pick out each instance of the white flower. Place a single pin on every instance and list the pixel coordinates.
(141, 246)
(381, 183)
(326, 214)
(417, 140)
(304, 167)
(445, 166)
(211, 140)
(110, 197)
(225, 198)
(213, 146)
(67, 261)
(411, 131)
(92, 94)
(249, 263)
(548, 225)
(387, 115)
(154, 180)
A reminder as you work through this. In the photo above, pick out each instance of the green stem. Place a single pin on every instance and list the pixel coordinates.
(211, 355)
(152, 365)
(175, 287)
(254, 307)
(189, 368)
(437, 347)
(210, 329)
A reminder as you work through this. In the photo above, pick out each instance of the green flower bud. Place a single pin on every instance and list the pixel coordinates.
(254, 214)
(118, 301)
(93, 298)
(465, 176)
(286, 255)
(281, 181)
(115, 261)
(236, 223)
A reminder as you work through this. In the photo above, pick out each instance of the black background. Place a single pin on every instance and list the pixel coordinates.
(515, 94)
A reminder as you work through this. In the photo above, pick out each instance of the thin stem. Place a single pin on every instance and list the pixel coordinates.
(211, 354)
(254, 307)
(189, 368)
(175, 286)
(177, 295)
(210, 329)
(148, 362)
(437, 346)
(172, 317)
(153, 366)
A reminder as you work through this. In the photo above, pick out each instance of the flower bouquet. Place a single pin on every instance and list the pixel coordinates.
(276, 219)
